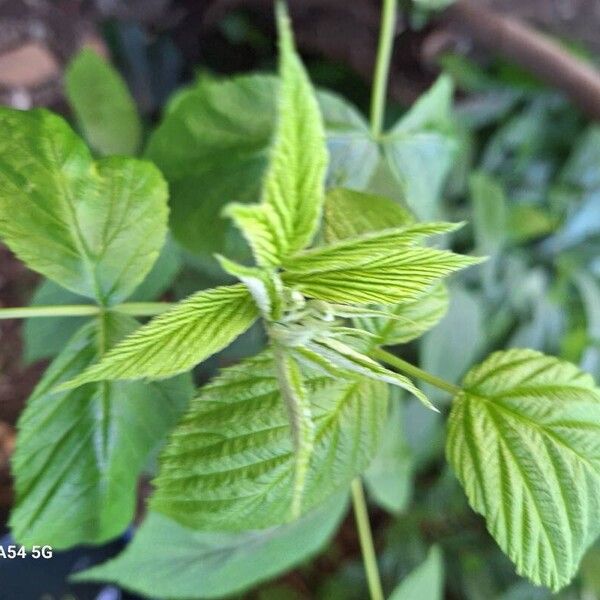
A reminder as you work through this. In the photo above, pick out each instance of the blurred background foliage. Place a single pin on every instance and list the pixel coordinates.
(487, 143)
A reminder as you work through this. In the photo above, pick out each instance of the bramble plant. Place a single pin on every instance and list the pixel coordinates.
(267, 451)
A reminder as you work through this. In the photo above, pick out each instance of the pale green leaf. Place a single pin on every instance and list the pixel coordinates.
(179, 339)
(365, 248)
(409, 320)
(524, 440)
(389, 477)
(426, 581)
(79, 453)
(212, 565)
(380, 268)
(420, 149)
(289, 214)
(203, 483)
(349, 214)
(103, 105)
(94, 227)
(344, 357)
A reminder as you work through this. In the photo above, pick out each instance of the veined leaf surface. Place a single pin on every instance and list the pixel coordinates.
(524, 440)
(230, 463)
(94, 227)
(179, 339)
(79, 452)
(289, 214)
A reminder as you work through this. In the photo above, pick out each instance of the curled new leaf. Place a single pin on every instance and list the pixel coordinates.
(177, 340)
(524, 440)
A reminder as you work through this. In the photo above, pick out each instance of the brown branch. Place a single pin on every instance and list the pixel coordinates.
(531, 50)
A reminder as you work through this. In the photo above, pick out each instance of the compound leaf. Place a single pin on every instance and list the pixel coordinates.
(103, 105)
(94, 227)
(230, 464)
(177, 340)
(79, 452)
(212, 565)
(524, 440)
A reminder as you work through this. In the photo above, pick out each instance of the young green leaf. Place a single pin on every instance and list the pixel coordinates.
(344, 357)
(103, 105)
(212, 565)
(426, 581)
(179, 339)
(361, 250)
(230, 464)
(349, 214)
(94, 227)
(289, 214)
(409, 320)
(375, 270)
(79, 453)
(523, 439)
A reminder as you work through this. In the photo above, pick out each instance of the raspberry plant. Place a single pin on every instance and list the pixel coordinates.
(268, 450)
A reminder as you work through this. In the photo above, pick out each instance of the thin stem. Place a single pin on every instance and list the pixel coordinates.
(138, 309)
(413, 371)
(75, 310)
(382, 66)
(366, 540)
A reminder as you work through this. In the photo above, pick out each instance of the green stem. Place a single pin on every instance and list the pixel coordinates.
(76, 310)
(413, 371)
(382, 66)
(138, 309)
(366, 540)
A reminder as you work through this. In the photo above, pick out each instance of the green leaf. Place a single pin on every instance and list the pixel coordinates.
(523, 439)
(79, 453)
(45, 338)
(103, 105)
(409, 320)
(213, 146)
(179, 339)
(94, 227)
(420, 149)
(327, 353)
(377, 268)
(204, 484)
(212, 565)
(292, 199)
(426, 581)
(490, 213)
(349, 214)
(389, 477)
